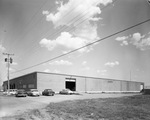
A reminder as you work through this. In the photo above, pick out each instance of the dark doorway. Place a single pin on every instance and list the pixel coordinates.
(71, 85)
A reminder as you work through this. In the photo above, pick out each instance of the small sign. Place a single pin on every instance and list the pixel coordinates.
(71, 79)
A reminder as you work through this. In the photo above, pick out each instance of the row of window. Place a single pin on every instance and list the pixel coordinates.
(14, 86)
(29, 86)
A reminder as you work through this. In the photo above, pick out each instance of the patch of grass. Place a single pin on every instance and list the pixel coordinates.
(135, 108)
(125, 108)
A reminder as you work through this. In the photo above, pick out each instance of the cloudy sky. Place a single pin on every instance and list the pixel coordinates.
(39, 30)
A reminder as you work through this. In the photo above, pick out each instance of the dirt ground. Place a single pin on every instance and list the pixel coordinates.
(10, 105)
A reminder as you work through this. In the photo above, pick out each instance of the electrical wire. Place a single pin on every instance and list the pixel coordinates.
(34, 40)
(77, 19)
(84, 46)
(27, 24)
(52, 34)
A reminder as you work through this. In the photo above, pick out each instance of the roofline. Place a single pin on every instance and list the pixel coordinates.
(74, 76)
(21, 76)
(87, 77)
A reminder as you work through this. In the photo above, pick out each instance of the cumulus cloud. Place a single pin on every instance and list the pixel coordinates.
(141, 42)
(124, 43)
(112, 64)
(49, 44)
(66, 40)
(76, 14)
(66, 13)
(122, 38)
(45, 12)
(137, 36)
(86, 31)
(61, 62)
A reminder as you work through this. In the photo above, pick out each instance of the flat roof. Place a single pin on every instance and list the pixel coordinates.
(74, 76)
(86, 77)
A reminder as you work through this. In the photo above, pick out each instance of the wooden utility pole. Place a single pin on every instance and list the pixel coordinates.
(8, 60)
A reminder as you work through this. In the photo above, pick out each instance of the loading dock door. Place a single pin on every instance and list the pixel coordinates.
(71, 84)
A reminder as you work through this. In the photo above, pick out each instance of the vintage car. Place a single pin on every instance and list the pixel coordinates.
(33, 92)
(10, 92)
(21, 93)
(48, 92)
(66, 91)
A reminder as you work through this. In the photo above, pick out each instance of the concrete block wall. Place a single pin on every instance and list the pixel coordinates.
(114, 86)
(103, 85)
(81, 84)
(134, 86)
(57, 82)
(50, 81)
(85, 84)
(93, 84)
(108, 85)
(124, 86)
(23, 82)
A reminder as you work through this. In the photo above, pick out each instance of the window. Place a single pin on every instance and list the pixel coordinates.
(24, 86)
(31, 86)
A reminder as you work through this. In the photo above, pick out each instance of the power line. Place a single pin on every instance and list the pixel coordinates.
(60, 30)
(84, 46)
(76, 19)
(32, 17)
(72, 9)
(8, 60)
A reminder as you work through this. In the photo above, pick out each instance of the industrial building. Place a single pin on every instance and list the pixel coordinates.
(57, 82)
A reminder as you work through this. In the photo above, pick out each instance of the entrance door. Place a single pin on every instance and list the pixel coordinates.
(71, 85)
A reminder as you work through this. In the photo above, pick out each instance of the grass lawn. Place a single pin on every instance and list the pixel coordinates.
(124, 108)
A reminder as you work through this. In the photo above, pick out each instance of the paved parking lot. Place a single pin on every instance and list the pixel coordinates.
(10, 105)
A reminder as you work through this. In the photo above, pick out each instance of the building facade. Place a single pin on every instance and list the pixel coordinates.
(57, 82)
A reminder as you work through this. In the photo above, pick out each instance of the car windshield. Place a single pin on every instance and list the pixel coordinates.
(49, 90)
(66, 90)
(21, 91)
(34, 90)
(12, 90)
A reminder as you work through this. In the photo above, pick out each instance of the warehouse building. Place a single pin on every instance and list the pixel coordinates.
(57, 82)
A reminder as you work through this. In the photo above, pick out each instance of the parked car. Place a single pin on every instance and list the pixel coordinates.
(33, 92)
(10, 92)
(21, 93)
(66, 91)
(48, 92)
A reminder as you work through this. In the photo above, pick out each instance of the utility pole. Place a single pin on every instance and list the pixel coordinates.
(130, 74)
(8, 60)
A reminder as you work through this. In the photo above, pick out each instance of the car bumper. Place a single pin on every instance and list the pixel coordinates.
(21, 95)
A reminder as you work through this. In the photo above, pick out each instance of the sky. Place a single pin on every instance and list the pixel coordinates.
(36, 31)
